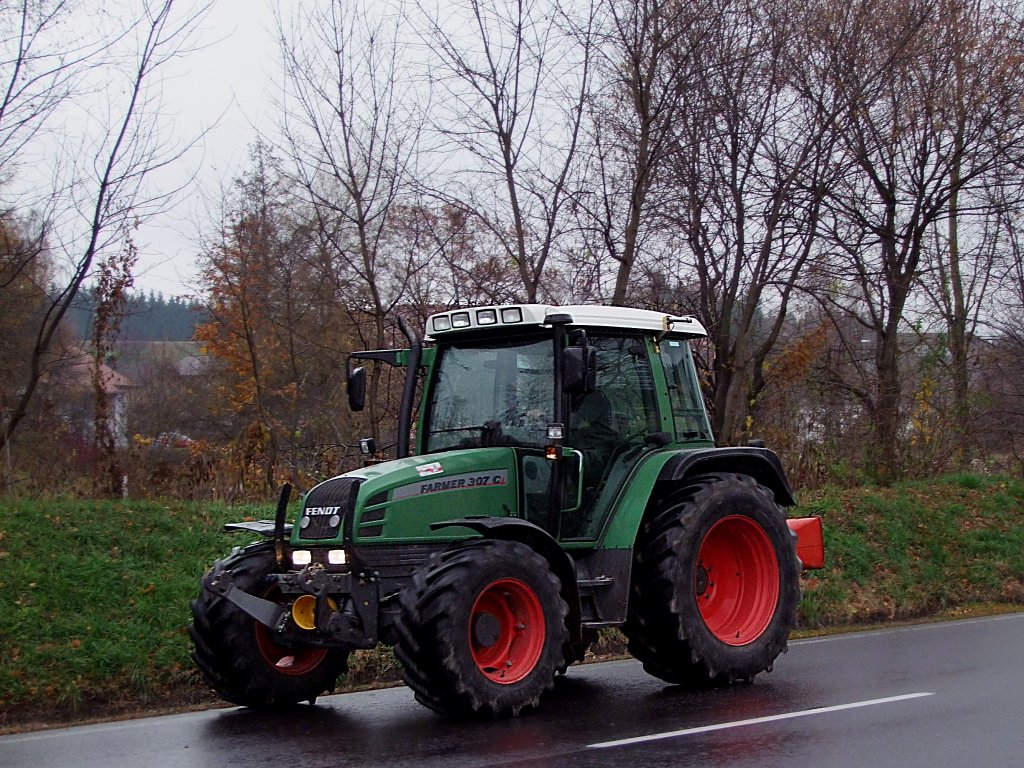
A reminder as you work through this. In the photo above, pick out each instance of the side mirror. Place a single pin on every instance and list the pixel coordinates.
(357, 389)
(579, 370)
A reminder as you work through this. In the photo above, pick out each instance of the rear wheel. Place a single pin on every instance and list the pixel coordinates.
(715, 583)
(239, 657)
(482, 630)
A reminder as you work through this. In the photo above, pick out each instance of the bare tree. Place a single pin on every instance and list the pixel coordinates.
(646, 58)
(999, 424)
(463, 269)
(514, 78)
(351, 133)
(104, 192)
(908, 158)
(39, 71)
(985, 85)
(750, 158)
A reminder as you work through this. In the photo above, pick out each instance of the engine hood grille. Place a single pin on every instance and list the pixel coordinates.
(329, 507)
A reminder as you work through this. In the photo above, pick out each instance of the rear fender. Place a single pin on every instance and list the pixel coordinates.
(759, 463)
(656, 476)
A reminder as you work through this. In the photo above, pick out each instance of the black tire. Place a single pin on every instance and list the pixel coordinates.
(686, 627)
(482, 630)
(236, 654)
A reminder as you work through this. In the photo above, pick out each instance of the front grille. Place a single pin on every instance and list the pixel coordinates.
(320, 526)
(328, 507)
(374, 515)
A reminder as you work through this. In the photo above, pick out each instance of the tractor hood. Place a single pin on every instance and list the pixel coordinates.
(396, 501)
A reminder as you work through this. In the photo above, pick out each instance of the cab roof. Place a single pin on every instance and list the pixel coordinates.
(500, 318)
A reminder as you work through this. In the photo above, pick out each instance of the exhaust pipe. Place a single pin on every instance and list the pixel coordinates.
(409, 389)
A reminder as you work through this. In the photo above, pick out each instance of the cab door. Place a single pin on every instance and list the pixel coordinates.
(536, 478)
(610, 430)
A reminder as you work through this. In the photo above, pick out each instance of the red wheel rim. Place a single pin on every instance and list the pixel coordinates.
(506, 631)
(288, 661)
(736, 580)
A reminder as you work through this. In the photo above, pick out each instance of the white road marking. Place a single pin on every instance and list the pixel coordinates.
(756, 720)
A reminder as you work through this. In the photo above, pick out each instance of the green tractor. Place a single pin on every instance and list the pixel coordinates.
(565, 479)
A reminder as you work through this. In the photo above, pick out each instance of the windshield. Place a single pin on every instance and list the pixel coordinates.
(491, 394)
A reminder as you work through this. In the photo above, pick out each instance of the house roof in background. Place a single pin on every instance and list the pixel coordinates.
(76, 370)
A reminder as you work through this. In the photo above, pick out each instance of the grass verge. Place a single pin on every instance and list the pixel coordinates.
(95, 594)
(916, 549)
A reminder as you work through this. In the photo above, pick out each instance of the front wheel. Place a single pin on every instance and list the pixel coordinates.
(239, 657)
(483, 630)
(715, 583)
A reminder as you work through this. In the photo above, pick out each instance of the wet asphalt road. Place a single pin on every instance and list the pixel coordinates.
(935, 695)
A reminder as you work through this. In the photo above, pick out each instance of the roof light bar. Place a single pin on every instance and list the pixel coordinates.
(481, 317)
(599, 316)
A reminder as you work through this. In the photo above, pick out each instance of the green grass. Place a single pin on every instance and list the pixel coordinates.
(95, 598)
(95, 595)
(916, 549)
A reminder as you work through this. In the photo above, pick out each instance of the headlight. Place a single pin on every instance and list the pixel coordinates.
(336, 556)
(302, 557)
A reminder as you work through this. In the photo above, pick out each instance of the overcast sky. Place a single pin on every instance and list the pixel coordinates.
(227, 80)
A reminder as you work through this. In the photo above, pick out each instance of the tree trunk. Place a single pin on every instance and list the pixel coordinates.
(883, 454)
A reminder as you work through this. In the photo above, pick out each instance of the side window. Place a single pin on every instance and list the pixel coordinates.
(624, 377)
(688, 412)
(623, 409)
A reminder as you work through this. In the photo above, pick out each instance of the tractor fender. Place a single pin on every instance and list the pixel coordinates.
(759, 463)
(539, 540)
(654, 477)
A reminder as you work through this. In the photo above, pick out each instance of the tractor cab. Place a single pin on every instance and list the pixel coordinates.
(579, 394)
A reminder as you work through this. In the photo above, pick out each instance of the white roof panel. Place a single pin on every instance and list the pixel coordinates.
(505, 317)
